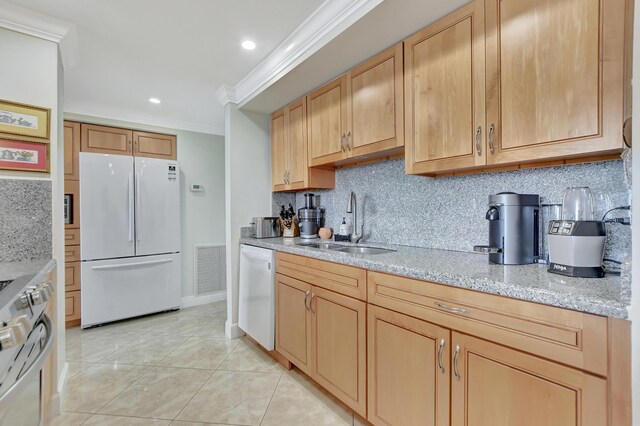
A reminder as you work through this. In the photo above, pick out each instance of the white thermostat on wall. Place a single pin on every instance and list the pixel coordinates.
(196, 187)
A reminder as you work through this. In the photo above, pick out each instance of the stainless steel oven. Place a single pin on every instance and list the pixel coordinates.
(26, 339)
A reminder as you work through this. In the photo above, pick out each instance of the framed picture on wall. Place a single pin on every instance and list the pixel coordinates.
(24, 122)
(24, 156)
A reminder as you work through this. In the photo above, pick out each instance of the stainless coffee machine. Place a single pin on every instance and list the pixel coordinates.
(310, 218)
(514, 229)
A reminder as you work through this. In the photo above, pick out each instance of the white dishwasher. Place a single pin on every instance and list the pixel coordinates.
(256, 307)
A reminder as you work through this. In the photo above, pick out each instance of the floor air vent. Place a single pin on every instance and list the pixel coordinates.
(209, 268)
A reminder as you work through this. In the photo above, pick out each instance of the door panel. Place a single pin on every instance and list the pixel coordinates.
(157, 212)
(293, 321)
(155, 145)
(327, 122)
(106, 206)
(106, 140)
(406, 385)
(339, 346)
(502, 387)
(278, 152)
(444, 93)
(71, 150)
(297, 144)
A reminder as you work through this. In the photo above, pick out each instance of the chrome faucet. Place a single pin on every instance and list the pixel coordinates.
(352, 207)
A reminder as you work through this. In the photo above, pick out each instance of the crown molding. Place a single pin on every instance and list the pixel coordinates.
(322, 26)
(101, 111)
(37, 24)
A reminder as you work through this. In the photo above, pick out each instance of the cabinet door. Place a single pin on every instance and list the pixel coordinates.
(409, 370)
(296, 144)
(376, 108)
(278, 151)
(106, 140)
(444, 93)
(71, 150)
(72, 306)
(498, 386)
(338, 332)
(293, 321)
(555, 78)
(327, 123)
(154, 145)
(71, 276)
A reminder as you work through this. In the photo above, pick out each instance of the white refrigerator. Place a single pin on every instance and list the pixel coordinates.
(129, 236)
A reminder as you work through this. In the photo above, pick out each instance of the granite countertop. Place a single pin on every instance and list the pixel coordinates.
(607, 296)
(35, 268)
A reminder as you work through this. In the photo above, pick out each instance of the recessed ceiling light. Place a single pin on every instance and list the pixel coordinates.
(154, 100)
(248, 44)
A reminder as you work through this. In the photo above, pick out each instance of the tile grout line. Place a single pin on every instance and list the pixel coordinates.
(271, 399)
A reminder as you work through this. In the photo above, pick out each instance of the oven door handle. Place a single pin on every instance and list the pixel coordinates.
(34, 368)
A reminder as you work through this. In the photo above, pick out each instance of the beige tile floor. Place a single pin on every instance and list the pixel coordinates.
(179, 369)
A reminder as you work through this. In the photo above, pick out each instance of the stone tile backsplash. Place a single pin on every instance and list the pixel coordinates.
(25, 219)
(449, 212)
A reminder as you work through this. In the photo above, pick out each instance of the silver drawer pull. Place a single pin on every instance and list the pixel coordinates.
(456, 374)
(452, 309)
(440, 349)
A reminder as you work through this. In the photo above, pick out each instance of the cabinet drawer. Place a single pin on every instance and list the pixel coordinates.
(342, 279)
(569, 337)
(72, 253)
(72, 276)
(71, 237)
(72, 305)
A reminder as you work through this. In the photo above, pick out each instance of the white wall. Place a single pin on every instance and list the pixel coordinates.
(31, 73)
(248, 189)
(201, 159)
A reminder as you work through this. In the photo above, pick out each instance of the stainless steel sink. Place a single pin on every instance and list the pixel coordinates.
(319, 245)
(363, 250)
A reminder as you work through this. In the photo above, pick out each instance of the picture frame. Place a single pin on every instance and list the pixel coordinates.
(24, 156)
(24, 122)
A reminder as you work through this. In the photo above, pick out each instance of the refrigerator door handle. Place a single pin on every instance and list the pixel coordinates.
(130, 265)
(130, 201)
(138, 209)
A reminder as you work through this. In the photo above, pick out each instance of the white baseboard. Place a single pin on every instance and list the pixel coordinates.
(232, 331)
(56, 404)
(189, 301)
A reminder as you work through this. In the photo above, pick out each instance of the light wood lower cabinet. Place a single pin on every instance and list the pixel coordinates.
(72, 308)
(408, 370)
(323, 333)
(498, 386)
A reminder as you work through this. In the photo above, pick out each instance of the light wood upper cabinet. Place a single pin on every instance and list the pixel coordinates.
(375, 108)
(496, 386)
(106, 140)
(339, 349)
(408, 370)
(555, 78)
(71, 150)
(289, 159)
(154, 145)
(444, 93)
(293, 321)
(327, 123)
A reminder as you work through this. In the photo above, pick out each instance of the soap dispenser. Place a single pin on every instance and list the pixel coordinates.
(344, 228)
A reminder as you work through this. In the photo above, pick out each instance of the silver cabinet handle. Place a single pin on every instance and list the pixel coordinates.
(452, 309)
(492, 131)
(440, 350)
(349, 141)
(306, 297)
(342, 143)
(313, 295)
(456, 374)
(478, 140)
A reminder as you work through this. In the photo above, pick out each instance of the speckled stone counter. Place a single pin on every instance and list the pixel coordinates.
(607, 296)
(36, 268)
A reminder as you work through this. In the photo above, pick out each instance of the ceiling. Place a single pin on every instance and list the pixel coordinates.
(179, 52)
(387, 24)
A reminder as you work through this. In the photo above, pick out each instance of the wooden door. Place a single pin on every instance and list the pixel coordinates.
(71, 276)
(327, 123)
(498, 386)
(72, 308)
(296, 144)
(106, 140)
(293, 321)
(409, 370)
(376, 104)
(278, 151)
(339, 359)
(155, 145)
(554, 78)
(444, 93)
(71, 150)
